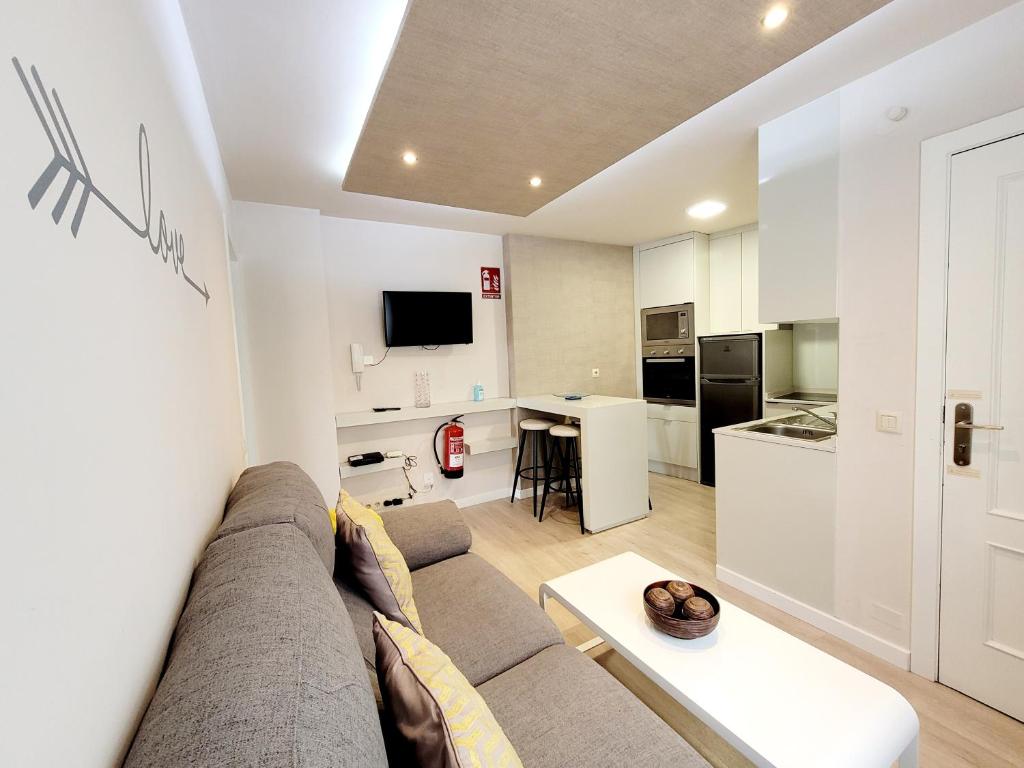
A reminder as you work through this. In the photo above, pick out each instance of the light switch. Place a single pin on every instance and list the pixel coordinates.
(595, 372)
(888, 421)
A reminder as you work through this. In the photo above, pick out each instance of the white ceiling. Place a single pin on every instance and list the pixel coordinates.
(289, 86)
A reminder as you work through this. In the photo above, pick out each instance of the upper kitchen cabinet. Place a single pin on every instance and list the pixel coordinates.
(666, 274)
(733, 283)
(798, 208)
(726, 284)
(675, 272)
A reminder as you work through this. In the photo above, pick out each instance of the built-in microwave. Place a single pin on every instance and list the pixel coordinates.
(667, 325)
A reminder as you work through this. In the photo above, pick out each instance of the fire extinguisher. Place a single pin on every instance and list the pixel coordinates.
(454, 451)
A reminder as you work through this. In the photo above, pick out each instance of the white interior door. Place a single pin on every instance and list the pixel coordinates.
(981, 635)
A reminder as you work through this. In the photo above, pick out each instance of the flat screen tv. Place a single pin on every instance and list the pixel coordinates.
(427, 318)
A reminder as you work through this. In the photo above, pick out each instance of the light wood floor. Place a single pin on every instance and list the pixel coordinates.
(956, 731)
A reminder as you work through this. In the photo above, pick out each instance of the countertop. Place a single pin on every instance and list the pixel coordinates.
(736, 430)
(556, 404)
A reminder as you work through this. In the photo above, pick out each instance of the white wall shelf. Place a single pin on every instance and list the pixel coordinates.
(344, 470)
(411, 413)
(476, 447)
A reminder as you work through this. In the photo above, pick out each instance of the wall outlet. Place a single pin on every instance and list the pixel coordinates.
(428, 481)
(595, 372)
(367, 359)
(889, 421)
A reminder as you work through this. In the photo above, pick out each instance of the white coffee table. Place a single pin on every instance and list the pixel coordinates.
(777, 700)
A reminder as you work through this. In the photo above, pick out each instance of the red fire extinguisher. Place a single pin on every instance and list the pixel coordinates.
(454, 451)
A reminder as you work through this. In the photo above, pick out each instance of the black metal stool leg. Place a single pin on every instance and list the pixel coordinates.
(534, 454)
(519, 464)
(547, 478)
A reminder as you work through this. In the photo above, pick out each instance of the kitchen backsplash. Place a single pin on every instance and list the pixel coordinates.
(816, 357)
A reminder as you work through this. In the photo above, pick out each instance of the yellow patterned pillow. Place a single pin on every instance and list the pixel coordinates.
(377, 564)
(438, 714)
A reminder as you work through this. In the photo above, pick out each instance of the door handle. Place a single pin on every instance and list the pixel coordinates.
(971, 425)
(963, 433)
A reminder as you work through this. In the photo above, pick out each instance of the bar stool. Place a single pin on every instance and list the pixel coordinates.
(564, 437)
(539, 429)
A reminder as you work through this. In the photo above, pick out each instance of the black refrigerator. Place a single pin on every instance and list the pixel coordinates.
(730, 390)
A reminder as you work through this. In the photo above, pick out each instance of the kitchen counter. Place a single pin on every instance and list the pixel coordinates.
(775, 505)
(737, 430)
(613, 451)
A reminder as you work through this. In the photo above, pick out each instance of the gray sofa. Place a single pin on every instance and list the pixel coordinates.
(271, 663)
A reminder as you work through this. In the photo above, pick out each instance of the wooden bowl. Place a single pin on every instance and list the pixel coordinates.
(677, 625)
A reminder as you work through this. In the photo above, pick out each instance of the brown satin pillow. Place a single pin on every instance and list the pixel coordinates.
(375, 562)
(439, 717)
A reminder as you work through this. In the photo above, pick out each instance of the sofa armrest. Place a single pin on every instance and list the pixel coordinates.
(427, 533)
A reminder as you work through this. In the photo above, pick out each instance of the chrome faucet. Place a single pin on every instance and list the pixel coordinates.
(831, 422)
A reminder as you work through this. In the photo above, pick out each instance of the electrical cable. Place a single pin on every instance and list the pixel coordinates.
(373, 365)
(410, 463)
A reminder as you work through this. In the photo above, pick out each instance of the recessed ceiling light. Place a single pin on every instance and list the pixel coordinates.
(536, 181)
(775, 16)
(409, 158)
(706, 209)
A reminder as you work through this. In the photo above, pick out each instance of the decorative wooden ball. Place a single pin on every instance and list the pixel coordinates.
(660, 600)
(679, 590)
(697, 608)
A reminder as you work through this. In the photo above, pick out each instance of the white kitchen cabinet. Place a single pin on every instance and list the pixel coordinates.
(726, 284)
(733, 281)
(667, 274)
(672, 442)
(798, 213)
(775, 509)
(750, 267)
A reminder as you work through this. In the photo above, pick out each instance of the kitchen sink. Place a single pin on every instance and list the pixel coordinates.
(796, 431)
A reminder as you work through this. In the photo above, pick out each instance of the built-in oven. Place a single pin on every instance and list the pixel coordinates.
(667, 326)
(670, 374)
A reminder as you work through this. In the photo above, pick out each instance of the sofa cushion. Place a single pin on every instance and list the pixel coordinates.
(264, 666)
(427, 533)
(477, 616)
(560, 709)
(440, 719)
(366, 553)
(280, 493)
(361, 613)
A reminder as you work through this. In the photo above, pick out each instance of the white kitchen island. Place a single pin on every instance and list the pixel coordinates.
(613, 450)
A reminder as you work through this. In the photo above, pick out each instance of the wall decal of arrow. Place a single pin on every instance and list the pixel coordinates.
(165, 242)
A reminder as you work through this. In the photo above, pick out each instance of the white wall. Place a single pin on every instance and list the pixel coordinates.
(285, 337)
(968, 77)
(121, 425)
(364, 258)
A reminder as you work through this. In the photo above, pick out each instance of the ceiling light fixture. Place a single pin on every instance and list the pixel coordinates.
(706, 209)
(409, 158)
(775, 16)
(536, 181)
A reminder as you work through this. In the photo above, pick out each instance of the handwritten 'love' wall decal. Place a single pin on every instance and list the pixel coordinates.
(167, 243)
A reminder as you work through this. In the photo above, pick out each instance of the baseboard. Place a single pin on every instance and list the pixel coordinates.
(527, 493)
(493, 495)
(883, 649)
(482, 498)
(672, 470)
